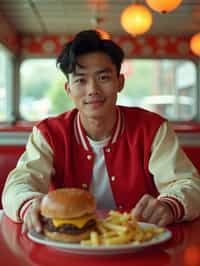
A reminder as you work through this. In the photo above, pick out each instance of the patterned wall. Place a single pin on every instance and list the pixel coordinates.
(144, 46)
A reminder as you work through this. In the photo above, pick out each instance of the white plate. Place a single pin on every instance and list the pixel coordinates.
(101, 250)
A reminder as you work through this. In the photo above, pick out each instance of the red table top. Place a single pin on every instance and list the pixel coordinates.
(183, 249)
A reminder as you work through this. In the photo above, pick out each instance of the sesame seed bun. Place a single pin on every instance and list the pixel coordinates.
(67, 203)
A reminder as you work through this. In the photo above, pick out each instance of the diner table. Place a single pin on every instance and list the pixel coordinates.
(183, 249)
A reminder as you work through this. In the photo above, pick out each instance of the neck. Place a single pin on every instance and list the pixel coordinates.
(99, 128)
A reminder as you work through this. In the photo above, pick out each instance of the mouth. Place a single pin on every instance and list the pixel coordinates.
(95, 101)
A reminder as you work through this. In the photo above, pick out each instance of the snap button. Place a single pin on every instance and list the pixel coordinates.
(89, 157)
(120, 207)
(108, 149)
(84, 185)
(113, 178)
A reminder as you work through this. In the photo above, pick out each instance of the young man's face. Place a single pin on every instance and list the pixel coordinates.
(94, 85)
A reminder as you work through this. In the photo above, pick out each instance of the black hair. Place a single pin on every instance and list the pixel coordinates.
(86, 42)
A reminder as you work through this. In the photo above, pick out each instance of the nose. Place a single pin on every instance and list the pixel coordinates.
(93, 87)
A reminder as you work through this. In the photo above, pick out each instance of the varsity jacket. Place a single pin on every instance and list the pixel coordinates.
(127, 157)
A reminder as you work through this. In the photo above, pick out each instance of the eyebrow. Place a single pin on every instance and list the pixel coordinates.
(104, 70)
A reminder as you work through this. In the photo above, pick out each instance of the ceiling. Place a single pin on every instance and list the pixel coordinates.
(71, 16)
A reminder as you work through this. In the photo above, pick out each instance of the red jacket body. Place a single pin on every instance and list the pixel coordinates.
(126, 155)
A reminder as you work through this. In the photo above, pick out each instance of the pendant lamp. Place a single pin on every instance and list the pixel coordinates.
(163, 6)
(136, 19)
(96, 21)
(195, 44)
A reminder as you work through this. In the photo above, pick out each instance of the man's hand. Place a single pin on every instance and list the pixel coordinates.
(151, 210)
(31, 219)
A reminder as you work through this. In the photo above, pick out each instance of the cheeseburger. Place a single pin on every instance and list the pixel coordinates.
(68, 214)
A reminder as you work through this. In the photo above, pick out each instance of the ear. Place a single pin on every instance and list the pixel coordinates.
(121, 82)
(67, 88)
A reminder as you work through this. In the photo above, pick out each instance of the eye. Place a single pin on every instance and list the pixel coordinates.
(104, 77)
(80, 81)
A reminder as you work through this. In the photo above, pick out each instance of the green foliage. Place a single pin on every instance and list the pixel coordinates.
(140, 82)
(41, 79)
(60, 102)
(35, 79)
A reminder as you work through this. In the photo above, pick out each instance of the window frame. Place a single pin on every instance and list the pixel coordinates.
(10, 112)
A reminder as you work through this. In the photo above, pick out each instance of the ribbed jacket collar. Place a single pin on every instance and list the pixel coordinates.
(80, 133)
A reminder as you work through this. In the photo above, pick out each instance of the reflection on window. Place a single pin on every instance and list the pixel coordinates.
(167, 87)
(42, 89)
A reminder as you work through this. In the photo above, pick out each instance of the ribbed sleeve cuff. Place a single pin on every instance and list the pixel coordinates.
(176, 207)
(24, 208)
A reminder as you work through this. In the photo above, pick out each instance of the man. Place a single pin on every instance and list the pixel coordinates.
(127, 157)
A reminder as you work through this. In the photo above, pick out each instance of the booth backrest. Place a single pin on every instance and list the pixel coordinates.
(9, 156)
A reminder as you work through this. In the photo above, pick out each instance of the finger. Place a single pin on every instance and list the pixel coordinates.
(156, 216)
(150, 208)
(28, 223)
(24, 228)
(140, 206)
(36, 224)
(163, 222)
(34, 221)
(31, 220)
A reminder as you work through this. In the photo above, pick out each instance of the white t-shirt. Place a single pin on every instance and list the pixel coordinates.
(100, 185)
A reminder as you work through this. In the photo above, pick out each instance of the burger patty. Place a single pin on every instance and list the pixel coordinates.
(69, 228)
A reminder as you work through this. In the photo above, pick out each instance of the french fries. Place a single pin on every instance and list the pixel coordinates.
(120, 228)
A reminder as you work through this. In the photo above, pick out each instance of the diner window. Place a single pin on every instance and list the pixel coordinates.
(167, 87)
(42, 89)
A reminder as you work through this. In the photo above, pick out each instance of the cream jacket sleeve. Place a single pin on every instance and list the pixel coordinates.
(31, 177)
(174, 174)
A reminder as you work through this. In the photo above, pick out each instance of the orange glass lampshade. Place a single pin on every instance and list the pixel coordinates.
(195, 44)
(104, 35)
(136, 19)
(163, 6)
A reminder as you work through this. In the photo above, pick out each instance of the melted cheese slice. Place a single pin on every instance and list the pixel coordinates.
(79, 222)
